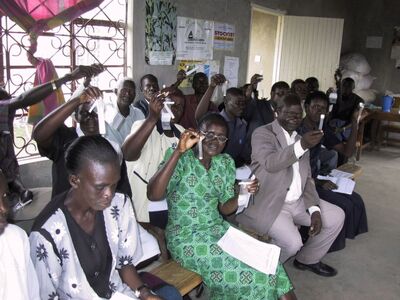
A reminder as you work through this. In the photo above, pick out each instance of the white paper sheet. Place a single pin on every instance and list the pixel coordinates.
(345, 185)
(258, 255)
(120, 296)
(338, 173)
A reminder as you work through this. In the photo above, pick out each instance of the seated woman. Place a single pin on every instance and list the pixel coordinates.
(197, 191)
(84, 244)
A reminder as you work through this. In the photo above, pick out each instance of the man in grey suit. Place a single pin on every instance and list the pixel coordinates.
(287, 196)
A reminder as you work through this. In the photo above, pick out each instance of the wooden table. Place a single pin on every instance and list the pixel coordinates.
(376, 130)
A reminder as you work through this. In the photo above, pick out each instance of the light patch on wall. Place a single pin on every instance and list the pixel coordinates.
(257, 58)
(374, 42)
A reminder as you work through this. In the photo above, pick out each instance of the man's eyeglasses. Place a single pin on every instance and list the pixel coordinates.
(211, 135)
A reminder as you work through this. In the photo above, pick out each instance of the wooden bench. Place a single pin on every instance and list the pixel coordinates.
(351, 168)
(181, 278)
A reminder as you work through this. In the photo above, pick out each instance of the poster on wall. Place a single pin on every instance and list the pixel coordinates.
(224, 36)
(231, 69)
(160, 32)
(209, 67)
(194, 39)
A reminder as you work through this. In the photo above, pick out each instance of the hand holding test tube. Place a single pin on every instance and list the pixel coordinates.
(361, 108)
(321, 122)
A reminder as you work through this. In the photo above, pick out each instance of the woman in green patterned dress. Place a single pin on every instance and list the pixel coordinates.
(197, 192)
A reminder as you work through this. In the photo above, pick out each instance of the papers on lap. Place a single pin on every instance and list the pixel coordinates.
(345, 185)
(247, 249)
(338, 173)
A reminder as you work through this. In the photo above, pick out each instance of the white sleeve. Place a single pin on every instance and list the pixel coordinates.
(298, 149)
(31, 278)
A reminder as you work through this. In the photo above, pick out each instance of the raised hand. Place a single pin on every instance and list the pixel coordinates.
(89, 93)
(85, 71)
(188, 139)
(181, 75)
(255, 79)
(316, 224)
(217, 79)
(311, 138)
(156, 104)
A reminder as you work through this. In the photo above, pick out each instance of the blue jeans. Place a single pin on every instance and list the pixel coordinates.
(168, 292)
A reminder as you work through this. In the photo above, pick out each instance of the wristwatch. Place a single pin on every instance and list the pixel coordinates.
(138, 291)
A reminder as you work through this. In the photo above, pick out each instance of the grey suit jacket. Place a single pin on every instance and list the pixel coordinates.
(272, 159)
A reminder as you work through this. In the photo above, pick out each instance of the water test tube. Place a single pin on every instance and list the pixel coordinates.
(321, 121)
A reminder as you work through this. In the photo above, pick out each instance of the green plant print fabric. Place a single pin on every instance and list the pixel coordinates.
(195, 226)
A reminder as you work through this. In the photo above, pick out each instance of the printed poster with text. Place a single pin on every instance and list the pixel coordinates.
(194, 39)
(224, 36)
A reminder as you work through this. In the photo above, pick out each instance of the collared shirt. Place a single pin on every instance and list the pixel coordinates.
(236, 139)
(295, 190)
(120, 125)
(141, 170)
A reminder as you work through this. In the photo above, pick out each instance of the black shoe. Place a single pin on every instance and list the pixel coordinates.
(319, 268)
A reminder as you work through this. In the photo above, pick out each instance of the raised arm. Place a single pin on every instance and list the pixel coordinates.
(43, 132)
(134, 143)
(204, 103)
(179, 78)
(40, 92)
(252, 87)
(267, 154)
(158, 184)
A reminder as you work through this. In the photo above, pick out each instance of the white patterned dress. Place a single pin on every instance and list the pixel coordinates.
(57, 264)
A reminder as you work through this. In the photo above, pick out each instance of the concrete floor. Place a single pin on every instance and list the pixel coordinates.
(368, 268)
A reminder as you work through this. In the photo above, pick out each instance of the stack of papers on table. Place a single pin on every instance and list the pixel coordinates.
(258, 255)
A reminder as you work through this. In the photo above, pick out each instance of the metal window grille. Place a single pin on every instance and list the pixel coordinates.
(98, 36)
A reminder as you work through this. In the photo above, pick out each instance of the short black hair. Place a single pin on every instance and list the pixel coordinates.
(289, 100)
(233, 91)
(197, 75)
(348, 80)
(280, 85)
(213, 118)
(316, 95)
(311, 80)
(93, 148)
(149, 77)
(296, 81)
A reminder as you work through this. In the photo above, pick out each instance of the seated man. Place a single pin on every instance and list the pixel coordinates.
(121, 114)
(53, 137)
(287, 195)
(299, 87)
(312, 84)
(143, 150)
(148, 86)
(17, 275)
(353, 205)
(262, 112)
(347, 102)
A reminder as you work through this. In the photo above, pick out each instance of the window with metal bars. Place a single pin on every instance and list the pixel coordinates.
(98, 36)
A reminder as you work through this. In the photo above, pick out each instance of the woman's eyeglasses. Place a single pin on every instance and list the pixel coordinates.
(211, 135)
